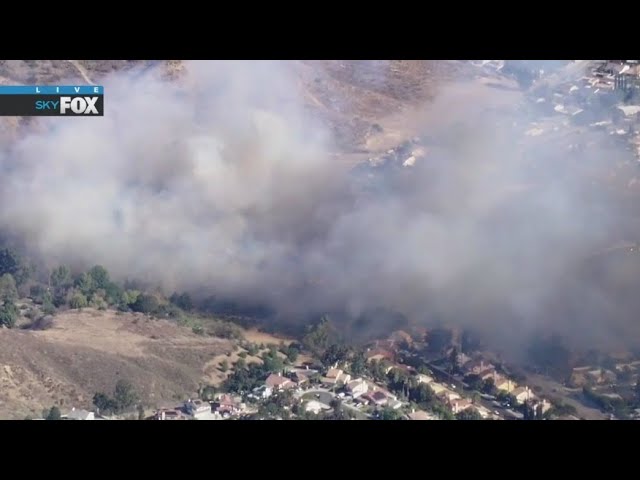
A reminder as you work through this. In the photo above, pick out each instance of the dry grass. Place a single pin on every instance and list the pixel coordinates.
(89, 351)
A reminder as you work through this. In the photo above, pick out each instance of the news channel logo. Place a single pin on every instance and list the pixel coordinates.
(56, 101)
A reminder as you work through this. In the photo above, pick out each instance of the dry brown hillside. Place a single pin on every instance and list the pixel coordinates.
(88, 351)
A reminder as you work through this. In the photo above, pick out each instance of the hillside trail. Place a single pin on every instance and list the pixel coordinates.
(81, 70)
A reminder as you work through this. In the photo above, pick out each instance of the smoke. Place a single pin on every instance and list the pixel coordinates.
(221, 184)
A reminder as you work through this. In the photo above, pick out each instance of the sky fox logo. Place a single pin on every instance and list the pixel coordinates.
(71, 105)
(79, 105)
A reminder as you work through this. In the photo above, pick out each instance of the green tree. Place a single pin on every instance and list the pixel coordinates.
(468, 414)
(100, 277)
(390, 414)
(489, 386)
(335, 354)
(182, 301)
(8, 290)
(124, 395)
(54, 414)
(252, 349)
(453, 359)
(104, 403)
(9, 314)
(48, 308)
(12, 263)
(292, 354)
(224, 366)
(145, 304)
(60, 278)
(140, 412)
(272, 362)
(78, 300)
(85, 284)
(422, 394)
(319, 336)
(358, 364)
(240, 363)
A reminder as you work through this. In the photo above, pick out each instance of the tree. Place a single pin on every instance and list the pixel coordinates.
(358, 364)
(140, 412)
(60, 278)
(489, 386)
(272, 362)
(453, 359)
(54, 414)
(78, 300)
(85, 284)
(100, 277)
(252, 349)
(468, 414)
(145, 304)
(334, 354)
(182, 301)
(8, 290)
(422, 394)
(224, 366)
(48, 308)
(10, 262)
(104, 403)
(390, 414)
(9, 314)
(319, 336)
(124, 395)
(241, 363)
(292, 354)
(474, 382)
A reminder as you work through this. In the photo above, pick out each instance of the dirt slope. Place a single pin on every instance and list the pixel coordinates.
(89, 351)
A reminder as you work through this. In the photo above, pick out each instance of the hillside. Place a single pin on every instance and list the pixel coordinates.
(89, 351)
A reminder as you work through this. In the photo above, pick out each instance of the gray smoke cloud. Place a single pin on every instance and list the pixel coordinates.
(223, 183)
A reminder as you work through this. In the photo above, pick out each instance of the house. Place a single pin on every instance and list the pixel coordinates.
(403, 368)
(379, 354)
(276, 381)
(420, 415)
(357, 387)
(335, 376)
(227, 404)
(504, 384)
(523, 394)
(600, 375)
(487, 374)
(80, 415)
(422, 378)
(437, 388)
(377, 398)
(299, 377)
(196, 408)
(460, 404)
(169, 414)
(448, 395)
(544, 404)
(475, 367)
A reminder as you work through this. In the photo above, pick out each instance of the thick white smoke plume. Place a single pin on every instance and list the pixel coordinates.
(222, 183)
